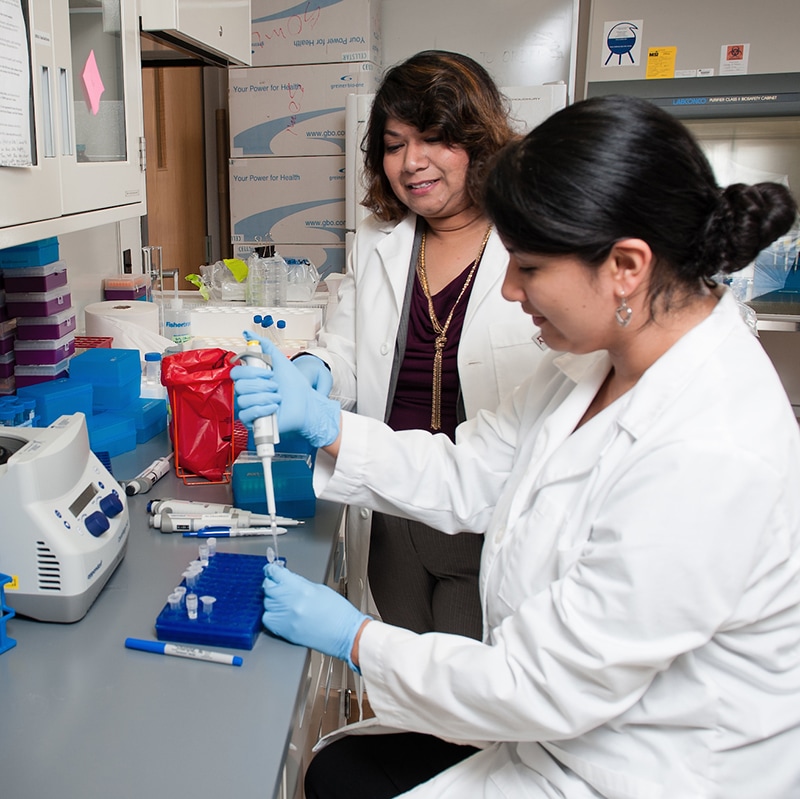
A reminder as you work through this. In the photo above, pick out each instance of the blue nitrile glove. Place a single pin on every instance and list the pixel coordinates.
(284, 389)
(309, 614)
(316, 372)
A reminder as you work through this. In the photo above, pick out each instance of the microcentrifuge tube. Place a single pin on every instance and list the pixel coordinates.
(191, 605)
(175, 600)
(208, 604)
(190, 576)
(180, 591)
(203, 554)
(212, 547)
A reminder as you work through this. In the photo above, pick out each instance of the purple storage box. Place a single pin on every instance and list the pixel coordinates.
(44, 351)
(30, 375)
(7, 362)
(56, 325)
(124, 294)
(36, 278)
(38, 303)
(6, 342)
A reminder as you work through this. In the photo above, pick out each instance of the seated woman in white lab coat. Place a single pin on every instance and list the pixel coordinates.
(640, 577)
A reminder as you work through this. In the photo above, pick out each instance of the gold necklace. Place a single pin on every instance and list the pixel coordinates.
(441, 329)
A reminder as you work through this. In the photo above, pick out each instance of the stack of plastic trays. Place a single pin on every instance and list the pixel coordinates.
(36, 287)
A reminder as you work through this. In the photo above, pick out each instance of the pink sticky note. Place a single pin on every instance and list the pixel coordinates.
(92, 84)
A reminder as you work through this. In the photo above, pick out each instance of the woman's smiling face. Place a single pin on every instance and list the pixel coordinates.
(426, 175)
(572, 304)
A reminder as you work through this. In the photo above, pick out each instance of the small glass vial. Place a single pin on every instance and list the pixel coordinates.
(152, 368)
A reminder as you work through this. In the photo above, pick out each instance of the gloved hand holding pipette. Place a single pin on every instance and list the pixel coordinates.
(284, 389)
(310, 614)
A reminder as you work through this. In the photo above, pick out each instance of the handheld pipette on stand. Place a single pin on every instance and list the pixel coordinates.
(180, 523)
(265, 436)
(188, 507)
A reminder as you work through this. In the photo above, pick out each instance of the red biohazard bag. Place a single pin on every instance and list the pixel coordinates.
(201, 426)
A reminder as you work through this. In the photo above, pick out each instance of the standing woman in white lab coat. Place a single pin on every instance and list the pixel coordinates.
(424, 278)
(640, 578)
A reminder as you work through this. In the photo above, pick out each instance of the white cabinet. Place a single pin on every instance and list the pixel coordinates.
(219, 27)
(86, 121)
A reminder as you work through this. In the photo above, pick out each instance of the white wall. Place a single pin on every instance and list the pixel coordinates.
(91, 255)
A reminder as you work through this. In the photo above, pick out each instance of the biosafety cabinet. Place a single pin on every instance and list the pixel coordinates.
(731, 71)
(71, 140)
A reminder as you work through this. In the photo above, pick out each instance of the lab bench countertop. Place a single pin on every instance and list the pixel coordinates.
(82, 716)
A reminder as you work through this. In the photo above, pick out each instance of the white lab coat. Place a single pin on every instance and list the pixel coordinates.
(640, 580)
(496, 351)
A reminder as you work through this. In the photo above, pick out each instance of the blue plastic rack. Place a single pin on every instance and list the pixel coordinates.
(6, 613)
(234, 580)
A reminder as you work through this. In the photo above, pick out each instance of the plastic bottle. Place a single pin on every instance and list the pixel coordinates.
(255, 287)
(152, 368)
(276, 278)
(151, 387)
(177, 320)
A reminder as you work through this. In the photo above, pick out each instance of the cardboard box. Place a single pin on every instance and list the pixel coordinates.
(293, 110)
(298, 199)
(327, 258)
(325, 32)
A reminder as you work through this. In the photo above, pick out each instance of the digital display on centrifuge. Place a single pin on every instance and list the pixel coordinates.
(84, 498)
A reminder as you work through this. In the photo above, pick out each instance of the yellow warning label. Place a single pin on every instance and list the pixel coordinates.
(661, 62)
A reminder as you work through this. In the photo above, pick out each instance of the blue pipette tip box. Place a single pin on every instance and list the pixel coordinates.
(234, 580)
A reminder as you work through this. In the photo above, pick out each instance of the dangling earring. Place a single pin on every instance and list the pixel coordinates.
(623, 312)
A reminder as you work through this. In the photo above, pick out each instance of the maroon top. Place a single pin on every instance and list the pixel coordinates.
(412, 402)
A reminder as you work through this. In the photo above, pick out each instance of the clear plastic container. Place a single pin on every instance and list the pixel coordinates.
(267, 279)
(152, 368)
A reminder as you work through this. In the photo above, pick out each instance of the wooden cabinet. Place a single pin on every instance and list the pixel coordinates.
(87, 159)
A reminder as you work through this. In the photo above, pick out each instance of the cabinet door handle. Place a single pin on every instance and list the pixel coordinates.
(48, 123)
(66, 124)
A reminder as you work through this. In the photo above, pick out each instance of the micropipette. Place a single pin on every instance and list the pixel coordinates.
(145, 480)
(265, 436)
(188, 507)
(173, 523)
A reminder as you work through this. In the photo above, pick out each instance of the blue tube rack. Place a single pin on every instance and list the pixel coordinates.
(234, 580)
(6, 613)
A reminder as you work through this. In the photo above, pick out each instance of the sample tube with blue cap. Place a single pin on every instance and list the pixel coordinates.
(280, 334)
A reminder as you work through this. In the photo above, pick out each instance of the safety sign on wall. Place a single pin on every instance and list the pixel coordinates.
(623, 43)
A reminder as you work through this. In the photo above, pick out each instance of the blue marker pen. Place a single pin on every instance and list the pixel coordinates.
(176, 650)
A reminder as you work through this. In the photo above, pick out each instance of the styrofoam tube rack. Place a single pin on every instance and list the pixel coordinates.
(302, 323)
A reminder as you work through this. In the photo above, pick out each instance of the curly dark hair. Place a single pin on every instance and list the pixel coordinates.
(442, 91)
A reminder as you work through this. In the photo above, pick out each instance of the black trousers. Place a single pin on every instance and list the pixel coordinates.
(423, 579)
(379, 766)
